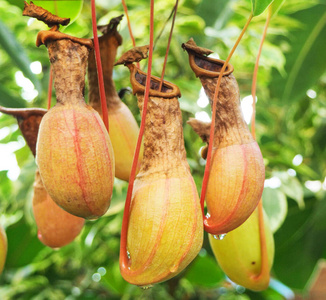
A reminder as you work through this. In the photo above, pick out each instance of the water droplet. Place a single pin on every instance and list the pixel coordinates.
(128, 254)
(174, 268)
(208, 215)
(146, 287)
(221, 236)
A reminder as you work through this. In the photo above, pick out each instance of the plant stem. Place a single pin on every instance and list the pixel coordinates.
(125, 8)
(124, 230)
(99, 69)
(168, 46)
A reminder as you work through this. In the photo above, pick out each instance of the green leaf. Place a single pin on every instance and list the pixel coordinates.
(7, 99)
(305, 62)
(205, 271)
(275, 206)
(259, 6)
(113, 279)
(64, 9)
(275, 7)
(292, 187)
(300, 244)
(23, 245)
(17, 54)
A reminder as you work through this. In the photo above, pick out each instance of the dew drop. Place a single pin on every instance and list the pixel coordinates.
(221, 236)
(174, 268)
(128, 254)
(208, 215)
(146, 287)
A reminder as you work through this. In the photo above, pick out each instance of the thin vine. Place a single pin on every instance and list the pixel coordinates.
(105, 115)
(124, 230)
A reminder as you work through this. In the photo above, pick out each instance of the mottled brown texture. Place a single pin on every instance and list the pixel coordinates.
(230, 127)
(191, 46)
(29, 120)
(163, 136)
(68, 60)
(34, 11)
(136, 54)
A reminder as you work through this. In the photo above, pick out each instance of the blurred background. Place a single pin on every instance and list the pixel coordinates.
(290, 128)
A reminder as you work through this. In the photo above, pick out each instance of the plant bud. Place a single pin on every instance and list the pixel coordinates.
(237, 172)
(56, 227)
(239, 253)
(3, 248)
(165, 230)
(123, 126)
(74, 152)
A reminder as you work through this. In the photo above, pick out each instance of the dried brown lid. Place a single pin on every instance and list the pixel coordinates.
(203, 65)
(138, 82)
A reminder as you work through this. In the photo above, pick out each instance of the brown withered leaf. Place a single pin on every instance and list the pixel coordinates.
(201, 128)
(41, 14)
(135, 54)
(192, 46)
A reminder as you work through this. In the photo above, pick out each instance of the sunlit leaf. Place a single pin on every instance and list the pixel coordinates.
(205, 271)
(275, 7)
(23, 245)
(17, 53)
(292, 187)
(7, 99)
(64, 9)
(297, 250)
(259, 6)
(275, 206)
(305, 63)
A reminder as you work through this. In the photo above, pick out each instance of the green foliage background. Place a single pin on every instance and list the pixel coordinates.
(289, 122)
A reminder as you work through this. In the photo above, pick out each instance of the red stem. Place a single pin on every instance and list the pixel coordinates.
(50, 88)
(125, 8)
(105, 115)
(212, 129)
(168, 46)
(125, 221)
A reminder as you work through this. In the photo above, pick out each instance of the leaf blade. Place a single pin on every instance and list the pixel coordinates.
(17, 54)
(259, 6)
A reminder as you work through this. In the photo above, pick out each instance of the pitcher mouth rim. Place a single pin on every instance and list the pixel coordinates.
(170, 89)
(199, 71)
